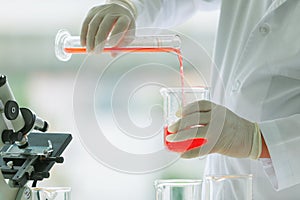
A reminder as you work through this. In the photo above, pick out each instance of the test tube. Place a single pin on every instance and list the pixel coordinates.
(66, 44)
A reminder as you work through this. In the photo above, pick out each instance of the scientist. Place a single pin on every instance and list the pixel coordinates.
(256, 83)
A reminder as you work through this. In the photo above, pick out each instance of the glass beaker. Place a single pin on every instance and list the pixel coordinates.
(224, 187)
(51, 193)
(178, 189)
(174, 99)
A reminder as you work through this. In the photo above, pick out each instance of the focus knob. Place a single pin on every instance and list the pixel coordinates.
(11, 110)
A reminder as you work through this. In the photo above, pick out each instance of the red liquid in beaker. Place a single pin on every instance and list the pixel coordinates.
(182, 146)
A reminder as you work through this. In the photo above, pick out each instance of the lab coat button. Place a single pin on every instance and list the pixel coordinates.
(236, 86)
(264, 29)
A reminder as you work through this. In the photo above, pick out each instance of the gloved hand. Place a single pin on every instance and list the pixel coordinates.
(114, 20)
(226, 133)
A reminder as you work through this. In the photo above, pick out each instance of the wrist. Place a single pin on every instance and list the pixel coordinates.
(265, 151)
(256, 149)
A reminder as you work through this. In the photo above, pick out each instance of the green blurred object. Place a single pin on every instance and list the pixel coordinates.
(18, 84)
(178, 189)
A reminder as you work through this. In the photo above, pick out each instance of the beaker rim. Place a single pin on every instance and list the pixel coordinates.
(50, 189)
(167, 90)
(227, 176)
(177, 182)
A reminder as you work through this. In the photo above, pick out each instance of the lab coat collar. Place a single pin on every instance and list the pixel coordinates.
(275, 5)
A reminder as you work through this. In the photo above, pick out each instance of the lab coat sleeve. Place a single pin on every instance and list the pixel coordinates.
(282, 137)
(168, 13)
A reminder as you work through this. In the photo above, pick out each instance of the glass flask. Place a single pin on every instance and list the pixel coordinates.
(51, 193)
(178, 189)
(174, 99)
(224, 187)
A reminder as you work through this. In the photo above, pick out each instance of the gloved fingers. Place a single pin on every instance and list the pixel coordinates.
(119, 31)
(84, 30)
(188, 121)
(103, 31)
(92, 31)
(122, 34)
(198, 106)
(105, 21)
(85, 25)
(203, 150)
(95, 24)
(173, 128)
(191, 153)
(191, 133)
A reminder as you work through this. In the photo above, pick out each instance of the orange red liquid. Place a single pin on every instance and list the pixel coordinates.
(124, 49)
(182, 146)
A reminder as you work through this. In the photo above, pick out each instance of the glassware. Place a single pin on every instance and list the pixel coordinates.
(174, 99)
(224, 187)
(178, 189)
(66, 45)
(51, 193)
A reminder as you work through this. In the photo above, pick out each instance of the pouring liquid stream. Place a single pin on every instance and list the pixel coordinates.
(181, 146)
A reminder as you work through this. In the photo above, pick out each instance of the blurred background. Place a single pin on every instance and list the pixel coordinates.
(43, 83)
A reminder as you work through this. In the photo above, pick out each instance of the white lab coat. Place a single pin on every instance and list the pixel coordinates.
(257, 54)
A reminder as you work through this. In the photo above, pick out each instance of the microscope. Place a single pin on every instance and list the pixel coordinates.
(27, 151)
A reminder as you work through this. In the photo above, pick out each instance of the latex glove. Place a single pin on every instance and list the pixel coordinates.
(226, 133)
(114, 20)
